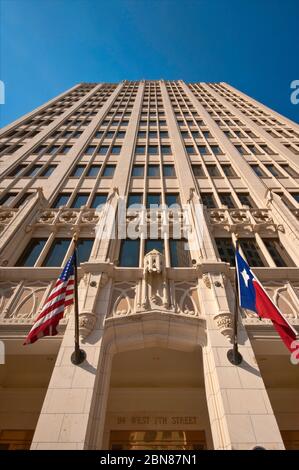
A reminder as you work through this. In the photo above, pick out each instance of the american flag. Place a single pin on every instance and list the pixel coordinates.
(60, 297)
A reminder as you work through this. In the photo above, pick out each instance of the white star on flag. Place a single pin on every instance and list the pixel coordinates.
(245, 277)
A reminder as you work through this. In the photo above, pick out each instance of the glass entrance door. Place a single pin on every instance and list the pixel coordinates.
(157, 440)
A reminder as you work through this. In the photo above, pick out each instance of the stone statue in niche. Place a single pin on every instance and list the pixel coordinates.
(154, 285)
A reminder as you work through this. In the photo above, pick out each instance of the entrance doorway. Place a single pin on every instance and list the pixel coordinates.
(153, 440)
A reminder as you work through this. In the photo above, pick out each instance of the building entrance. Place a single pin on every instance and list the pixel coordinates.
(153, 440)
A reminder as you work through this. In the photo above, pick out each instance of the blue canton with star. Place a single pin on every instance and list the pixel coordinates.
(246, 287)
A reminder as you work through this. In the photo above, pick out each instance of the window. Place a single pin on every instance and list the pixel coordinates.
(226, 250)
(267, 149)
(17, 171)
(109, 134)
(207, 134)
(138, 171)
(84, 247)
(153, 199)
(168, 171)
(129, 253)
(153, 171)
(57, 252)
(203, 150)
(48, 171)
(213, 170)
(289, 170)
(98, 135)
(241, 149)
(251, 252)
(103, 150)
(61, 200)
(31, 252)
(273, 170)
(80, 200)
(258, 171)
(22, 199)
(140, 149)
(172, 198)
(52, 149)
(153, 150)
(253, 149)
(109, 171)
(208, 200)
(120, 134)
(33, 170)
(141, 135)
(228, 171)
(154, 245)
(226, 200)
(8, 199)
(134, 198)
(166, 150)
(98, 200)
(115, 150)
(295, 196)
(278, 253)
(153, 134)
(198, 171)
(90, 149)
(65, 149)
(245, 199)
(190, 149)
(216, 149)
(93, 171)
(78, 171)
(164, 134)
(179, 253)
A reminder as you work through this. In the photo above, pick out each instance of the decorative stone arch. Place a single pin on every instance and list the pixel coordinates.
(138, 331)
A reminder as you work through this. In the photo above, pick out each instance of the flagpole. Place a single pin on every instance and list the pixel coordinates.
(79, 355)
(233, 355)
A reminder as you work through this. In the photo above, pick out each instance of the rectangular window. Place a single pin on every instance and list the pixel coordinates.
(290, 171)
(295, 196)
(198, 171)
(129, 253)
(98, 200)
(65, 149)
(203, 150)
(140, 149)
(31, 253)
(226, 200)
(109, 171)
(208, 200)
(61, 200)
(164, 134)
(103, 150)
(153, 134)
(168, 171)
(141, 135)
(8, 199)
(17, 171)
(22, 199)
(80, 200)
(274, 171)
(154, 245)
(166, 150)
(78, 171)
(33, 171)
(190, 150)
(241, 149)
(251, 252)
(228, 171)
(84, 248)
(90, 149)
(278, 253)
(153, 171)
(120, 134)
(153, 150)
(226, 250)
(93, 171)
(172, 198)
(258, 171)
(153, 199)
(134, 198)
(179, 253)
(57, 252)
(138, 171)
(216, 149)
(245, 199)
(48, 171)
(213, 170)
(115, 150)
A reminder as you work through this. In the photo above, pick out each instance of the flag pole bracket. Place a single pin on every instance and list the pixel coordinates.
(78, 356)
(234, 357)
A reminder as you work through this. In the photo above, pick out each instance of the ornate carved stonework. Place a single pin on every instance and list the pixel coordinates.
(224, 321)
(87, 321)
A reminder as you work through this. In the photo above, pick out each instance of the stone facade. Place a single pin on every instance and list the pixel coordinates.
(156, 333)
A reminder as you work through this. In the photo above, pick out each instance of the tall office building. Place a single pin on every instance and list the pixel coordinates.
(156, 314)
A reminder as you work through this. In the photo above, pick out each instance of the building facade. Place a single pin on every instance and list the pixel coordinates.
(156, 318)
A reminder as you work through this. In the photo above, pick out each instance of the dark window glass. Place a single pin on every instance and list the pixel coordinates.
(295, 196)
(245, 199)
(57, 252)
(109, 170)
(142, 135)
(33, 170)
(164, 134)
(190, 149)
(274, 171)
(172, 198)
(65, 149)
(98, 200)
(166, 150)
(153, 134)
(103, 149)
(228, 170)
(153, 150)
(7, 199)
(48, 171)
(138, 170)
(226, 250)
(140, 149)
(154, 245)
(153, 199)
(198, 171)
(93, 171)
(168, 170)
(278, 253)
(258, 171)
(116, 150)
(153, 170)
(52, 149)
(120, 134)
(22, 199)
(61, 200)
(31, 252)
(129, 253)
(80, 200)
(195, 134)
(84, 248)
(289, 170)
(179, 253)
(241, 149)
(16, 171)
(78, 171)
(267, 149)
(227, 200)
(253, 149)
(109, 134)
(251, 252)
(216, 149)
(208, 200)
(90, 149)
(203, 150)
(207, 134)
(134, 198)
(98, 135)
(213, 170)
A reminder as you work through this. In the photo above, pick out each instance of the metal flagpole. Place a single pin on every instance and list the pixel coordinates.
(79, 355)
(233, 354)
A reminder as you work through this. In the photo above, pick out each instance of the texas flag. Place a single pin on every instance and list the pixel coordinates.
(253, 296)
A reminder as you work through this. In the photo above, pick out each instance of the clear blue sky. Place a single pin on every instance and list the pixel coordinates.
(49, 45)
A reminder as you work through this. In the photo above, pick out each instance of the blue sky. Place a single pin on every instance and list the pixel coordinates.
(46, 46)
